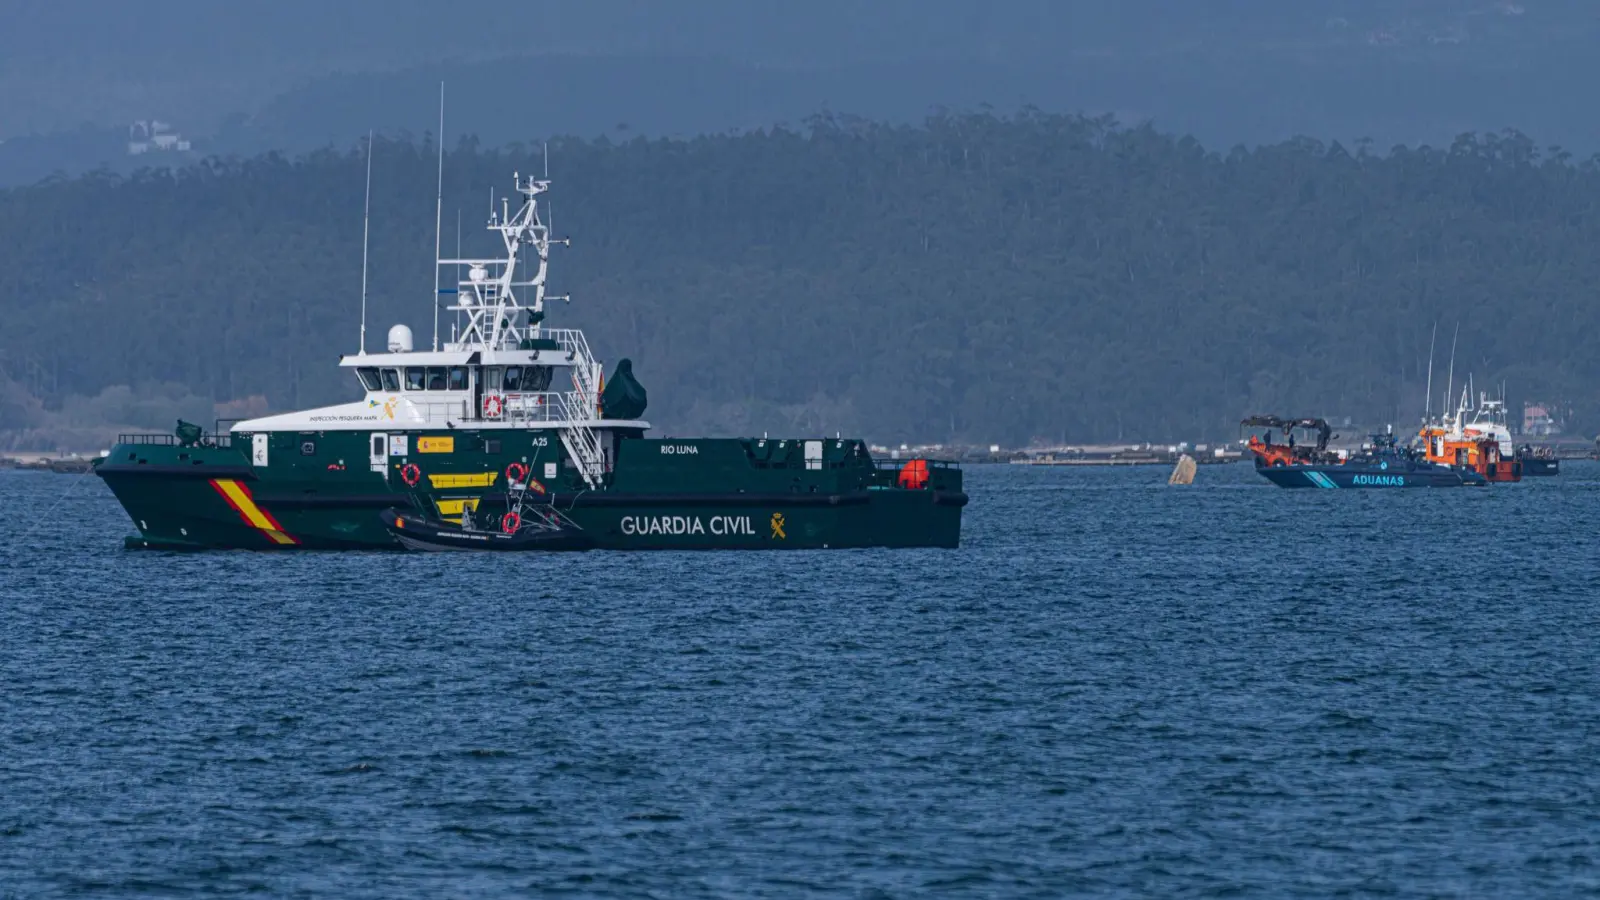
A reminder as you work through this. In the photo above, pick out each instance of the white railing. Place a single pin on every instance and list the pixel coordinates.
(549, 406)
(570, 339)
(584, 371)
(532, 407)
(582, 405)
(429, 412)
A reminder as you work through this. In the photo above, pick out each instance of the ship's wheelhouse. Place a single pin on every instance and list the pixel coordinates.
(464, 388)
(504, 379)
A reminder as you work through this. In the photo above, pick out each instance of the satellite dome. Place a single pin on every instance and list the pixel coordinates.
(400, 339)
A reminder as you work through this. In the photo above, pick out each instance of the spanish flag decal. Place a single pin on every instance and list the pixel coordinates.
(238, 497)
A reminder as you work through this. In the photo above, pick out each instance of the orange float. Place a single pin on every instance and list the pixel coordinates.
(914, 474)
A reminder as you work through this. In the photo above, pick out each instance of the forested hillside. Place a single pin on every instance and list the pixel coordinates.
(976, 278)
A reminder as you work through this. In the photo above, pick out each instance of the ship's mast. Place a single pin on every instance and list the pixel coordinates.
(1427, 399)
(438, 220)
(497, 318)
(366, 230)
(1450, 383)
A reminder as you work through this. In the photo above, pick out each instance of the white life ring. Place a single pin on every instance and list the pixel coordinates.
(493, 406)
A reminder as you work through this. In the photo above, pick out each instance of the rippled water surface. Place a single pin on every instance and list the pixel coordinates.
(1113, 688)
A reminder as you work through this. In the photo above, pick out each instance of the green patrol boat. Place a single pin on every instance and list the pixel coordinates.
(507, 436)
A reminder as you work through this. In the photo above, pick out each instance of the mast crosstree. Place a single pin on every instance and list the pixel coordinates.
(501, 307)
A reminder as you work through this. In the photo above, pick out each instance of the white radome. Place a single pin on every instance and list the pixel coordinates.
(400, 339)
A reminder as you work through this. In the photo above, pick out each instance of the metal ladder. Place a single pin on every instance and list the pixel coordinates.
(582, 405)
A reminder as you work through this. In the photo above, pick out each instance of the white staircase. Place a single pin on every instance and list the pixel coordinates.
(582, 406)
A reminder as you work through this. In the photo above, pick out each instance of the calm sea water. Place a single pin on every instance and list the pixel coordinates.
(1114, 688)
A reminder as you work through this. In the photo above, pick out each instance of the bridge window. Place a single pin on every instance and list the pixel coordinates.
(369, 378)
(535, 379)
(458, 378)
(491, 377)
(513, 380)
(391, 380)
(436, 378)
(416, 378)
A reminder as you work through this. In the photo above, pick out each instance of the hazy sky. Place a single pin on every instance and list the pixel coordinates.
(1229, 69)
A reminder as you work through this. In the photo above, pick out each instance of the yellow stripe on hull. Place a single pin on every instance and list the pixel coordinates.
(240, 499)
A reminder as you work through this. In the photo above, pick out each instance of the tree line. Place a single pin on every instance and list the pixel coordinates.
(975, 278)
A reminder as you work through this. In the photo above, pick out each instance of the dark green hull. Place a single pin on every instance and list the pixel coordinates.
(660, 495)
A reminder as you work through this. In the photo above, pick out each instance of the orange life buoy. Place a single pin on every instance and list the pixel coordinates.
(410, 474)
(516, 472)
(493, 406)
(510, 522)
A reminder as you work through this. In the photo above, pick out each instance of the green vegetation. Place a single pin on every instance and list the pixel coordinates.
(976, 278)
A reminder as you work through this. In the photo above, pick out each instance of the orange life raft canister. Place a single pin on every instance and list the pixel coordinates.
(914, 474)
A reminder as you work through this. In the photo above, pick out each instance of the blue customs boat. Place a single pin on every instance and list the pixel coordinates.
(1381, 463)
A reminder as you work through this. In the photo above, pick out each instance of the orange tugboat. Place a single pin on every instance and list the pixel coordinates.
(1482, 444)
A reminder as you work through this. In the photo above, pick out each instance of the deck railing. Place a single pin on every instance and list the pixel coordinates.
(546, 406)
(171, 440)
(429, 412)
(897, 464)
(533, 407)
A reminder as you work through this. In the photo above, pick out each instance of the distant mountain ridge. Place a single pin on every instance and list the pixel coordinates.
(293, 75)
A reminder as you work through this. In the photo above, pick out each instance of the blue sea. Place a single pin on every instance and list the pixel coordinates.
(1114, 688)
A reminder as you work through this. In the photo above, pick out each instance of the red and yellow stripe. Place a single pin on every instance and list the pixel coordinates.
(238, 497)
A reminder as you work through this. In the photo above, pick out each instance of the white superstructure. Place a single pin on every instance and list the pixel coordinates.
(1486, 419)
(500, 369)
(1489, 420)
